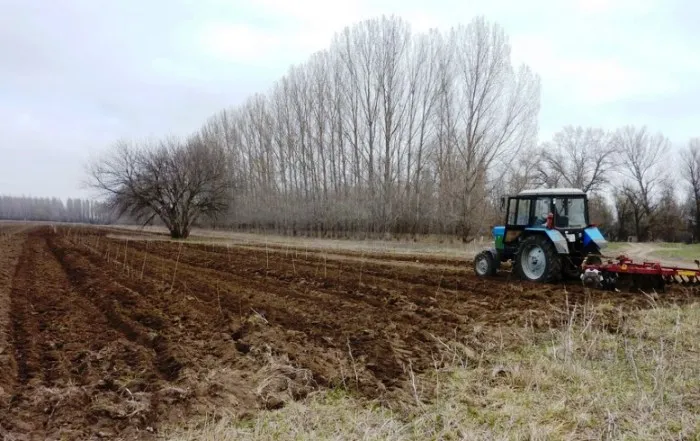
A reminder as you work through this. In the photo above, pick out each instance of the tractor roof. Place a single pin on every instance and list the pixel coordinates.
(553, 192)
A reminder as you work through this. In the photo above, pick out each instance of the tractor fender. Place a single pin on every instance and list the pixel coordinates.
(494, 252)
(593, 235)
(555, 236)
(498, 233)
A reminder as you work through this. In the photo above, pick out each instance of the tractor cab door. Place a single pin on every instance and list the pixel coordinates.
(526, 212)
(517, 218)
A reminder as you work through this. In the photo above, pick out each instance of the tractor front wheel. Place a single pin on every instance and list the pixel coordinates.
(537, 260)
(485, 264)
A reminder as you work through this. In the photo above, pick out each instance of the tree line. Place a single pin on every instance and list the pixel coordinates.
(386, 131)
(634, 192)
(53, 209)
(391, 132)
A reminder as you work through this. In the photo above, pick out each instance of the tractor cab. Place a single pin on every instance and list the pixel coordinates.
(546, 235)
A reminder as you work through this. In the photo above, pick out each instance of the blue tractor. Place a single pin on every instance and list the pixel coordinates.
(547, 236)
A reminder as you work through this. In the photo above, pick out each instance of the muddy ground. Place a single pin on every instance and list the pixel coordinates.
(107, 337)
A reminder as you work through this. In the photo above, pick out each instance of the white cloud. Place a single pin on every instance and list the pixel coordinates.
(241, 43)
(593, 6)
(26, 122)
(170, 68)
(587, 80)
(603, 81)
(316, 13)
(597, 66)
(629, 7)
(298, 29)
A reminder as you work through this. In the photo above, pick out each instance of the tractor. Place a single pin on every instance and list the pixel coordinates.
(547, 236)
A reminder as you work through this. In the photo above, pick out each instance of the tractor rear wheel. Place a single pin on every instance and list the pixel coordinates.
(537, 260)
(485, 264)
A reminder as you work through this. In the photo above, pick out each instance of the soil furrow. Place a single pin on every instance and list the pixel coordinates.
(109, 298)
(313, 265)
(304, 311)
(61, 342)
(24, 315)
(117, 340)
(11, 248)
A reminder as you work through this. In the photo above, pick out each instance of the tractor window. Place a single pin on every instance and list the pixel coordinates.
(511, 211)
(570, 213)
(523, 212)
(542, 209)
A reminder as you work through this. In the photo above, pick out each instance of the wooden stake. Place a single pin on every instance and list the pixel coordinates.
(144, 264)
(175, 271)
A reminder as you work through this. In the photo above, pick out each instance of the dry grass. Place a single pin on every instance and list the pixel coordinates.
(591, 379)
(433, 245)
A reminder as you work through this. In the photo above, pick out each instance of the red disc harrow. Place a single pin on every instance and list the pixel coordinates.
(607, 273)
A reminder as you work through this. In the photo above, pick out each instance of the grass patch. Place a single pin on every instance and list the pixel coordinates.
(615, 247)
(679, 251)
(640, 381)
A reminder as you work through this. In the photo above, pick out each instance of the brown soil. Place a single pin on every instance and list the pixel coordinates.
(102, 337)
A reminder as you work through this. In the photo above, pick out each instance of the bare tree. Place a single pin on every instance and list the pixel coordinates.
(178, 182)
(392, 60)
(518, 176)
(577, 157)
(497, 111)
(600, 213)
(422, 98)
(691, 174)
(669, 223)
(640, 154)
(624, 212)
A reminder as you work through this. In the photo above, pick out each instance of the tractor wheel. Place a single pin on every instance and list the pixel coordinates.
(537, 260)
(485, 264)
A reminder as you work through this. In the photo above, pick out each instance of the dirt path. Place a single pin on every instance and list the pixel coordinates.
(646, 251)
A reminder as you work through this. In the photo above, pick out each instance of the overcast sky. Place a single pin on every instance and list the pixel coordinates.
(77, 74)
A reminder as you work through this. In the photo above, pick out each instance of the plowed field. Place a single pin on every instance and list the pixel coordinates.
(107, 337)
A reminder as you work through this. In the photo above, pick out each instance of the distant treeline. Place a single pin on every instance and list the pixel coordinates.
(53, 209)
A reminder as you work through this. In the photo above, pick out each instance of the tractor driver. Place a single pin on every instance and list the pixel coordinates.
(541, 211)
